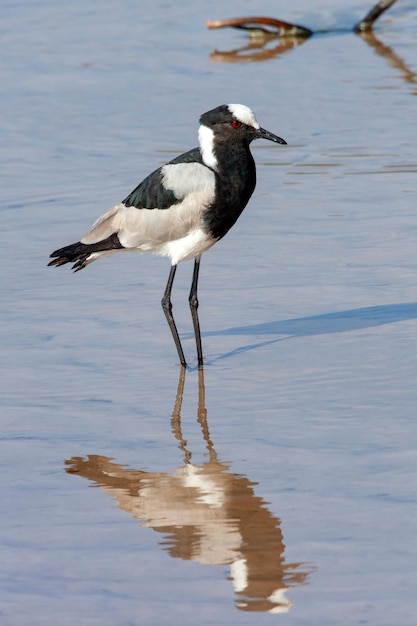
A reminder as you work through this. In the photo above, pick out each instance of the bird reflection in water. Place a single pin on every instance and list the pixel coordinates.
(205, 513)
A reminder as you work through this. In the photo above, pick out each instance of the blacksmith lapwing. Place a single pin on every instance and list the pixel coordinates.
(183, 207)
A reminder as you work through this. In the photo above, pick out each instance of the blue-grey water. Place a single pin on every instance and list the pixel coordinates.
(282, 487)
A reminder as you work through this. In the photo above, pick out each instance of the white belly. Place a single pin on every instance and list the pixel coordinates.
(188, 247)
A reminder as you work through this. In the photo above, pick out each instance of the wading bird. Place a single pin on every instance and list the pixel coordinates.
(182, 208)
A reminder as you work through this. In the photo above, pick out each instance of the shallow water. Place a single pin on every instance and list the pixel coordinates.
(285, 481)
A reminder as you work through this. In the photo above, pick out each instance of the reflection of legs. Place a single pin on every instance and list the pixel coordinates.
(194, 314)
(202, 415)
(176, 418)
(167, 308)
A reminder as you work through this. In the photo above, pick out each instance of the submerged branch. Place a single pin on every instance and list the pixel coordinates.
(278, 28)
(366, 24)
(282, 29)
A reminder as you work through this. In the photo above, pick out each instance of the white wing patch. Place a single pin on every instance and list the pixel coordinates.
(186, 178)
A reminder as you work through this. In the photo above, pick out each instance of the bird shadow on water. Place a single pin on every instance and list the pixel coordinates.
(324, 324)
(205, 513)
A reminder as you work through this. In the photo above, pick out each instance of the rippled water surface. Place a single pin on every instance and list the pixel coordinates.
(280, 484)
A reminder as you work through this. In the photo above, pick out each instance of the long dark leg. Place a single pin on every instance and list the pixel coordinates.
(167, 308)
(194, 314)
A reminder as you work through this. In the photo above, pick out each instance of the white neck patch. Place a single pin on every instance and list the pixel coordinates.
(206, 141)
(244, 114)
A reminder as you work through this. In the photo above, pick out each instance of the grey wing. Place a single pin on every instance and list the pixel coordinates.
(165, 207)
(151, 193)
(154, 192)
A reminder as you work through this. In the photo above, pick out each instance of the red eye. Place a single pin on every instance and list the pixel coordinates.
(236, 124)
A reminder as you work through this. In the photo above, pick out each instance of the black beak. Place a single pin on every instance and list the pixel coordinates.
(265, 134)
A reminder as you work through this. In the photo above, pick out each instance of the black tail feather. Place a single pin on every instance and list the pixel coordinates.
(78, 252)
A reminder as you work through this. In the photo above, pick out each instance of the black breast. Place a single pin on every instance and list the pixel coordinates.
(235, 183)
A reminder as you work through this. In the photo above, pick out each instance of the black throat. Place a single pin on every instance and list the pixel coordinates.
(235, 183)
